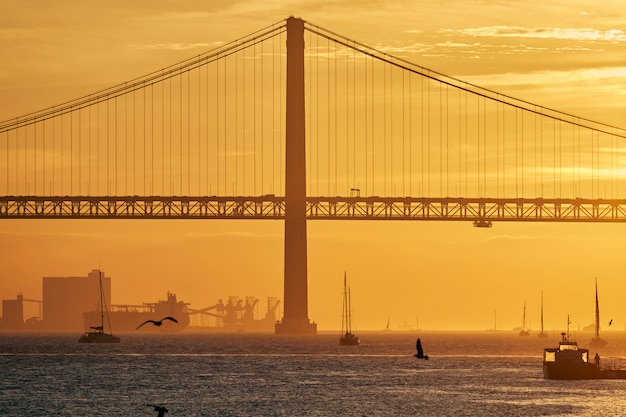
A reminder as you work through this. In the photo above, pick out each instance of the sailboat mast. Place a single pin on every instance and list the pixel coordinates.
(568, 323)
(597, 326)
(541, 311)
(344, 311)
(348, 321)
(101, 301)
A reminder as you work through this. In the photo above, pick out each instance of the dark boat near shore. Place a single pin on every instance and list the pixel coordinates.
(568, 361)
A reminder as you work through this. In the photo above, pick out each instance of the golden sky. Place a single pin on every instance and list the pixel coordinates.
(567, 55)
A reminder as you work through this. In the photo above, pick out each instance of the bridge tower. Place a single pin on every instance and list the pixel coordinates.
(296, 317)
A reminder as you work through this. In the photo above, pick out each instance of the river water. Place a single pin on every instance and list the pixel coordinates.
(209, 374)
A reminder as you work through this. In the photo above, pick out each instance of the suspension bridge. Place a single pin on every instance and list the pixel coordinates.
(294, 122)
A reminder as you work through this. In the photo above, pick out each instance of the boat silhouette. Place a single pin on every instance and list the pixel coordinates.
(524, 332)
(596, 341)
(98, 334)
(347, 337)
(542, 334)
(568, 361)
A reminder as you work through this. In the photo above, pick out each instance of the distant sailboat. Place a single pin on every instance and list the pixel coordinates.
(524, 332)
(347, 337)
(98, 335)
(495, 322)
(542, 334)
(596, 341)
(387, 327)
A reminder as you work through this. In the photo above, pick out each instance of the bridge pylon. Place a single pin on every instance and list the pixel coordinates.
(296, 317)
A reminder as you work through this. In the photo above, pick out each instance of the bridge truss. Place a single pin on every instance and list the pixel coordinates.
(481, 211)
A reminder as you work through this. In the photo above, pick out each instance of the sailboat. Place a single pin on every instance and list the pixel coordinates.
(347, 338)
(596, 341)
(98, 335)
(387, 326)
(524, 332)
(542, 334)
(495, 322)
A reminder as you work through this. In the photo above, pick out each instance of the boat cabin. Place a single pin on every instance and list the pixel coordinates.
(566, 352)
(567, 361)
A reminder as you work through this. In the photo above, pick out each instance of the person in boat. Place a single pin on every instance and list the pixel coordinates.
(597, 361)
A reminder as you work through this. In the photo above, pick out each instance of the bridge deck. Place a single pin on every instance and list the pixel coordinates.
(481, 211)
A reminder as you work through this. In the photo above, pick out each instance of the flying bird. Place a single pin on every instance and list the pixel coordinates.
(610, 322)
(420, 351)
(159, 409)
(158, 323)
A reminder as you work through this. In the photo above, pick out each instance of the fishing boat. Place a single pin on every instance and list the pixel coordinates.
(568, 361)
(524, 332)
(596, 341)
(347, 337)
(542, 334)
(98, 335)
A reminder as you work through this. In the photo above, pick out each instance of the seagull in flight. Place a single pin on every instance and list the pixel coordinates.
(161, 410)
(420, 351)
(158, 323)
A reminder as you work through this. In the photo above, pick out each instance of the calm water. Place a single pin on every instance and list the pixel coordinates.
(204, 374)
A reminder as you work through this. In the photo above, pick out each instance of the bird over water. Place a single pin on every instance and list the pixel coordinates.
(159, 322)
(159, 409)
(420, 351)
